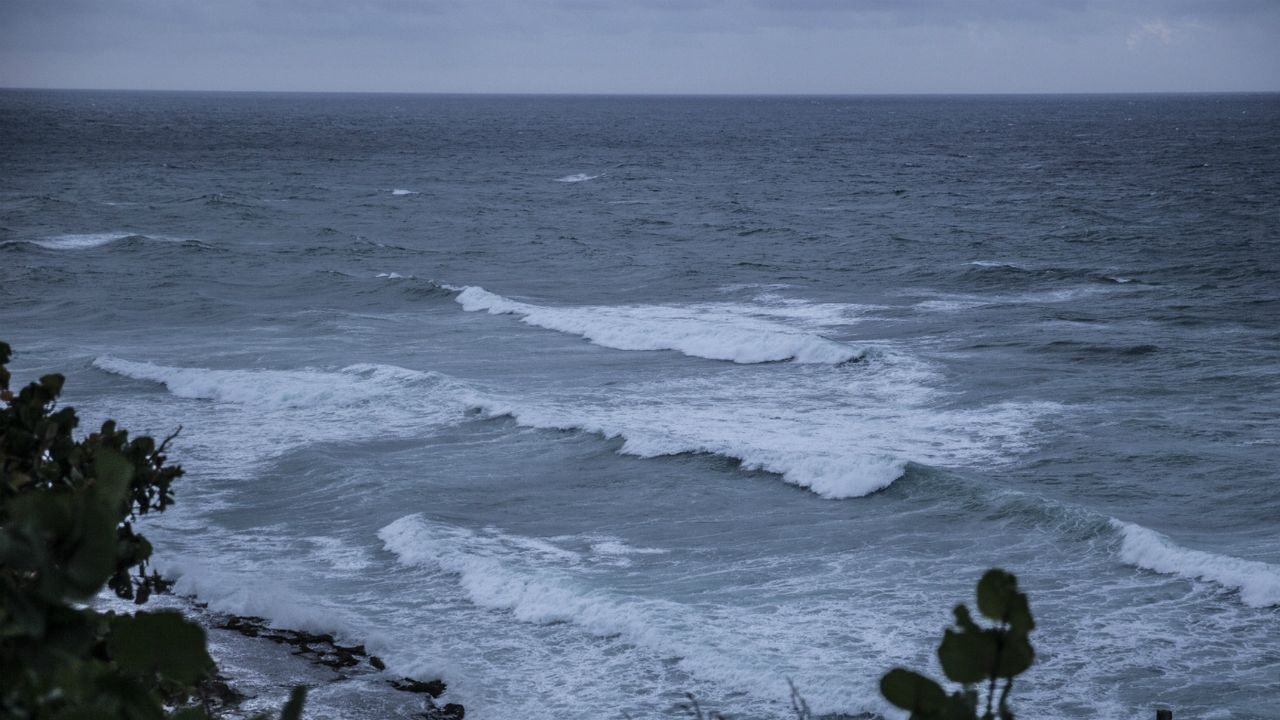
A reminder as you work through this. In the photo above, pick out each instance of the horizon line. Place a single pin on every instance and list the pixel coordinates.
(471, 93)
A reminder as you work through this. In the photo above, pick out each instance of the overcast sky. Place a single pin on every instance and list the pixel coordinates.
(644, 46)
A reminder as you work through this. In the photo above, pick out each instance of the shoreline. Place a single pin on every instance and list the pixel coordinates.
(258, 665)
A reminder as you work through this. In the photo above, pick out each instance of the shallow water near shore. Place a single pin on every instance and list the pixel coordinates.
(585, 403)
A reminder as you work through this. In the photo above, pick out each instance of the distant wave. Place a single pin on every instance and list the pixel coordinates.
(579, 177)
(82, 241)
(725, 335)
(996, 264)
(951, 303)
(996, 273)
(85, 241)
(1257, 582)
(401, 191)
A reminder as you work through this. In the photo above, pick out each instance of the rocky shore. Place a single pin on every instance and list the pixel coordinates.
(346, 661)
(258, 665)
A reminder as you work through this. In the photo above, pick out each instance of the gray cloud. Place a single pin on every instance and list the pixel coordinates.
(644, 45)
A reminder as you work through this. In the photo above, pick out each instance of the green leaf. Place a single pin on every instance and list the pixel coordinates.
(93, 559)
(912, 691)
(960, 706)
(994, 590)
(999, 600)
(968, 656)
(160, 643)
(114, 472)
(293, 709)
(1016, 656)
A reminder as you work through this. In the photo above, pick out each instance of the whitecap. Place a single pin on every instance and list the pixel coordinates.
(1258, 582)
(302, 407)
(579, 177)
(80, 241)
(723, 331)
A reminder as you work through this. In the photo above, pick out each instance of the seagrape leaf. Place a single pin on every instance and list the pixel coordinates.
(70, 538)
(968, 656)
(1016, 656)
(114, 472)
(293, 709)
(912, 691)
(999, 600)
(162, 643)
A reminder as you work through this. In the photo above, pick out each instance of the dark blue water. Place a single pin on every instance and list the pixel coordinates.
(585, 403)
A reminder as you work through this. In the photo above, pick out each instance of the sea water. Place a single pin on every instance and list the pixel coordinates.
(585, 403)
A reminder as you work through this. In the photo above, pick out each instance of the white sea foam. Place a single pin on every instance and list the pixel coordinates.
(84, 241)
(1258, 582)
(80, 241)
(539, 597)
(736, 645)
(996, 264)
(951, 303)
(264, 595)
(723, 331)
(299, 406)
(579, 177)
(494, 573)
(837, 436)
(353, 385)
(390, 276)
(338, 554)
(401, 191)
(614, 546)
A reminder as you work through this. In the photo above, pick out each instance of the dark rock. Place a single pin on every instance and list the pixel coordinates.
(434, 688)
(377, 663)
(216, 694)
(452, 711)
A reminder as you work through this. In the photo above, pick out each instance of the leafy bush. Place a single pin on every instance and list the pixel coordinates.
(972, 655)
(67, 510)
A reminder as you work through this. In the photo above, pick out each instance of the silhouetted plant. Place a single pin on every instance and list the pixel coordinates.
(974, 656)
(67, 509)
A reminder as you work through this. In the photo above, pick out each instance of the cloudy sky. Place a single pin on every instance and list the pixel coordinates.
(644, 46)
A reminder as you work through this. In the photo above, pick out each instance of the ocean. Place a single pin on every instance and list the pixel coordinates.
(585, 403)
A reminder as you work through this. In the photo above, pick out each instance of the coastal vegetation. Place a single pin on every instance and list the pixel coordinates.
(67, 513)
(975, 656)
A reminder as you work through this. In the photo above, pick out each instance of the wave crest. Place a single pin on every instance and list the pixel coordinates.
(1258, 582)
(698, 331)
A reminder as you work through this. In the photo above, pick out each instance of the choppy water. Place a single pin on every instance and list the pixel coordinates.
(585, 403)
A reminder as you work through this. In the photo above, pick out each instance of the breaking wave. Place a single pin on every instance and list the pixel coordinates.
(736, 333)
(1258, 582)
(300, 407)
(837, 436)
